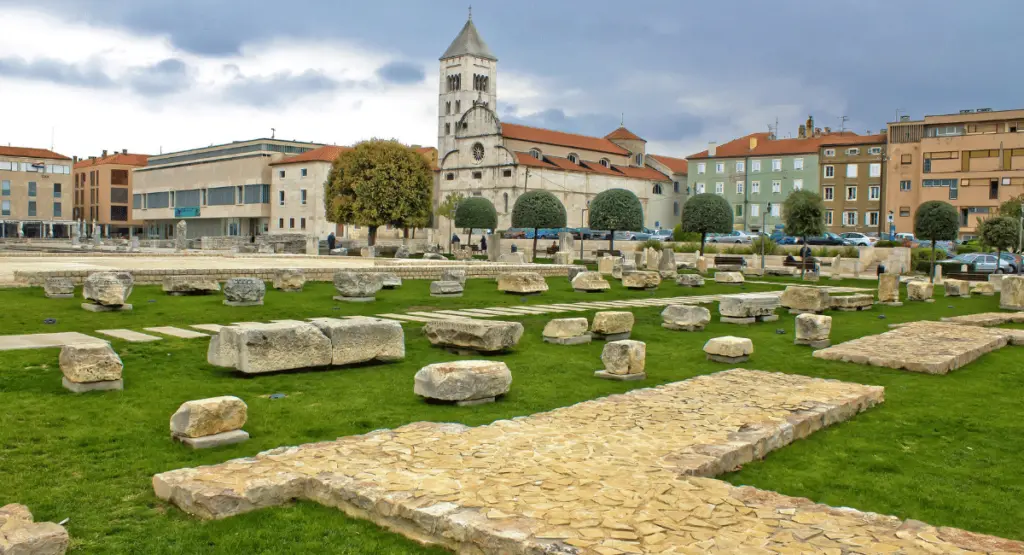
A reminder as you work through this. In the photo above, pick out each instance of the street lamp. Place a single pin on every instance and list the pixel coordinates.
(764, 225)
(583, 212)
(1020, 241)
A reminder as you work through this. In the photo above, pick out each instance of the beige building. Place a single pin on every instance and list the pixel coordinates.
(34, 193)
(973, 160)
(221, 190)
(482, 157)
(103, 192)
(852, 182)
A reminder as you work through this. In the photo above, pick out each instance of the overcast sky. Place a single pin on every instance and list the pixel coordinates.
(148, 75)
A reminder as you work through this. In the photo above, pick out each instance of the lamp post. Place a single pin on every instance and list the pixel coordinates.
(583, 212)
(1020, 241)
(764, 223)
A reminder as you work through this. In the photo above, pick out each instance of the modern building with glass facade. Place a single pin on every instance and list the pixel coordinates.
(221, 190)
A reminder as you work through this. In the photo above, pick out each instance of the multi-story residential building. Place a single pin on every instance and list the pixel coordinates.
(973, 160)
(33, 185)
(221, 190)
(852, 184)
(103, 192)
(757, 172)
(676, 169)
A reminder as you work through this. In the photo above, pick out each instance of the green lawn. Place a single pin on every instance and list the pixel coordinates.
(943, 449)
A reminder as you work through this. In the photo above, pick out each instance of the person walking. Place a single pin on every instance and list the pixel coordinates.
(331, 241)
(483, 244)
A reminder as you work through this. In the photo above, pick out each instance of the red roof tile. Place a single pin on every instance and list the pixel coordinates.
(766, 147)
(31, 153)
(525, 159)
(323, 154)
(623, 134)
(116, 158)
(596, 167)
(676, 165)
(641, 173)
(559, 138)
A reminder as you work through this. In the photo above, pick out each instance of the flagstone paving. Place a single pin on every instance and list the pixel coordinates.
(987, 319)
(212, 328)
(129, 335)
(177, 332)
(45, 340)
(621, 474)
(923, 346)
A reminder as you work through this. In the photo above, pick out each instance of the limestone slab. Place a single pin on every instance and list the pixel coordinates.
(129, 335)
(212, 328)
(106, 385)
(20, 535)
(177, 332)
(45, 340)
(216, 440)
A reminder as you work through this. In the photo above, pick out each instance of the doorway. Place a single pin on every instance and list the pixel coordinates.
(993, 189)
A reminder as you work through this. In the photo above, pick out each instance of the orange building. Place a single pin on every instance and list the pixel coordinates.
(103, 191)
(974, 160)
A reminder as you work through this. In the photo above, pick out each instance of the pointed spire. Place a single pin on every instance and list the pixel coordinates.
(469, 43)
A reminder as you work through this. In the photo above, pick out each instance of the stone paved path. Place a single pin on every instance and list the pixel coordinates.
(177, 332)
(129, 335)
(45, 340)
(622, 474)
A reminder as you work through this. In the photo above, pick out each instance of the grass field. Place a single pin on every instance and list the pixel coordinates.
(943, 449)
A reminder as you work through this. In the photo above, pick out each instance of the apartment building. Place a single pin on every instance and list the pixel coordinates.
(103, 192)
(973, 159)
(756, 173)
(221, 190)
(297, 192)
(33, 182)
(851, 168)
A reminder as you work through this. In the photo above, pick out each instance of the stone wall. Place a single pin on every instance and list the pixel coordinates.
(221, 242)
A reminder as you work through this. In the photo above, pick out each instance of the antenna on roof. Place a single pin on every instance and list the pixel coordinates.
(51, 137)
(272, 132)
(842, 123)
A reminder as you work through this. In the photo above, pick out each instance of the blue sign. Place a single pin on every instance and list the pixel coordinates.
(186, 212)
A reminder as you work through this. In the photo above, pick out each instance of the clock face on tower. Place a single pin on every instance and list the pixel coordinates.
(478, 152)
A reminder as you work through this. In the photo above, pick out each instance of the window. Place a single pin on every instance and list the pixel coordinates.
(57, 210)
(640, 159)
(158, 200)
(828, 217)
(573, 158)
(447, 129)
(5, 208)
(851, 170)
(280, 223)
(851, 193)
(535, 153)
(830, 152)
(302, 223)
(776, 210)
(458, 106)
(871, 219)
(755, 165)
(605, 162)
(850, 219)
(119, 195)
(217, 196)
(875, 170)
(478, 175)
(830, 171)
(776, 186)
(702, 168)
(304, 172)
(280, 198)
(798, 163)
(280, 173)
(31, 208)
(302, 197)
(755, 187)
(31, 188)
(136, 202)
(291, 223)
(700, 188)
(56, 191)
(738, 209)
(5, 188)
(657, 189)
(119, 213)
(448, 108)
(798, 184)
(938, 183)
(254, 194)
(739, 187)
(927, 166)
(874, 192)
(852, 151)
(171, 199)
(719, 188)
(954, 192)
(449, 176)
(740, 167)
(777, 164)
(720, 167)
(505, 195)
(875, 150)
(904, 185)
(675, 208)
(755, 210)
(906, 159)
(828, 193)
(506, 173)
(675, 187)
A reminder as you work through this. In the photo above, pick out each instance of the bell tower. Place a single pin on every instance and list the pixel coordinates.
(468, 77)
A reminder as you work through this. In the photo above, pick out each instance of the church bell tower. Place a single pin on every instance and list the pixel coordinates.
(468, 74)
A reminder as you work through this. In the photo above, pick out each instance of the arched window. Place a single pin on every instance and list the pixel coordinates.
(448, 107)
(605, 162)
(535, 153)
(639, 159)
(447, 129)
(458, 106)
(506, 201)
(657, 188)
(675, 208)
(675, 187)
(573, 158)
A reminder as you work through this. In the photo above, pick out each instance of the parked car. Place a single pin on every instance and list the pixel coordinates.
(632, 236)
(787, 240)
(978, 262)
(1013, 259)
(662, 235)
(514, 233)
(734, 237)
(859, 239)
(828, 238)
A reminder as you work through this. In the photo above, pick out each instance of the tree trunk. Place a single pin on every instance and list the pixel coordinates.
(469, 240)
(803, 260)
(998, 270)
(703, 236)
(405, 233)
(371, 235)
(611, 241)
(533, 255)
(932, 275)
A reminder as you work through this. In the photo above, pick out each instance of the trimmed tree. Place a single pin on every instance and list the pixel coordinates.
(707, 213)
(476, 213)
(804, 214)
(447, 209)
(379, 182)
(538, 209)
(1000, 233)
(936, 220)
(616, 210)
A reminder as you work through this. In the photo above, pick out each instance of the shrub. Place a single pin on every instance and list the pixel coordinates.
(804, 213)
(707, 213)
(769, 246)
(678, 235)
(711, 249)
(886, 244)
(686, 247)
(850, 252)
(652, 244)
(963, 249)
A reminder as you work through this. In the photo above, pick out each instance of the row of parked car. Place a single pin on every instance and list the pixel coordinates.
(587, 233)
(830, 239)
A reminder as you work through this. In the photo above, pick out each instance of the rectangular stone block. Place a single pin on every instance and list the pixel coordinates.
(261, 348)
(216, 440)
(362, 339)
(109, 385)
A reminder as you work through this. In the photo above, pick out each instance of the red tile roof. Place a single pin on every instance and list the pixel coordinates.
(766, 147)
(559, 163)
(677, 165)
(596, 167)
(116, 158)
(31, 153)
(623, 134)
(525, 159)
(323, 154)
(641, 173)
(559, 138)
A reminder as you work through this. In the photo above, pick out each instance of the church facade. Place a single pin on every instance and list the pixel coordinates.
(480, 156)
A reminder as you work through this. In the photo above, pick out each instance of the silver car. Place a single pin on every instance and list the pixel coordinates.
(734, 237)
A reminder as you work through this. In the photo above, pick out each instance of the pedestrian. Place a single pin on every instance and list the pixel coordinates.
(331, 241)
(483, 243)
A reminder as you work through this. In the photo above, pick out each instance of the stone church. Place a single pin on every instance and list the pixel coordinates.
(479, 156)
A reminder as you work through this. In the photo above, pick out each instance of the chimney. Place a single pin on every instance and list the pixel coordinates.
(124, 151)
(712, 149)
(802, 132)
(104, 153)
(74, 159)
(883, 132)
(817, 131)
(810, 124)
(828, 130)
(753, 143)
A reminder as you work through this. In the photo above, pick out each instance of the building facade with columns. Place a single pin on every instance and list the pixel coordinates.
(34, 193)
(481, 156)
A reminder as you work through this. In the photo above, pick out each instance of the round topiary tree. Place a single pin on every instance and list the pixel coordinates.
(616, 210)
(536, 210)
(1000, 233)
(804, 214)
(476, 213)
(707, 213)
(936, 220)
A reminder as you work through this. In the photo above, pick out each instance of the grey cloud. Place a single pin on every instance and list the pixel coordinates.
(56, 71)
(283, 87)
(165, 77)
(401, 73)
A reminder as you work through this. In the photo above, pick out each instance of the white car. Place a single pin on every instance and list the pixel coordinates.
(859, 239)
(662, 235)
(734, 237)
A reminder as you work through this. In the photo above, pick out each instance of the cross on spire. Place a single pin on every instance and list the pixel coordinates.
(471, 12)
